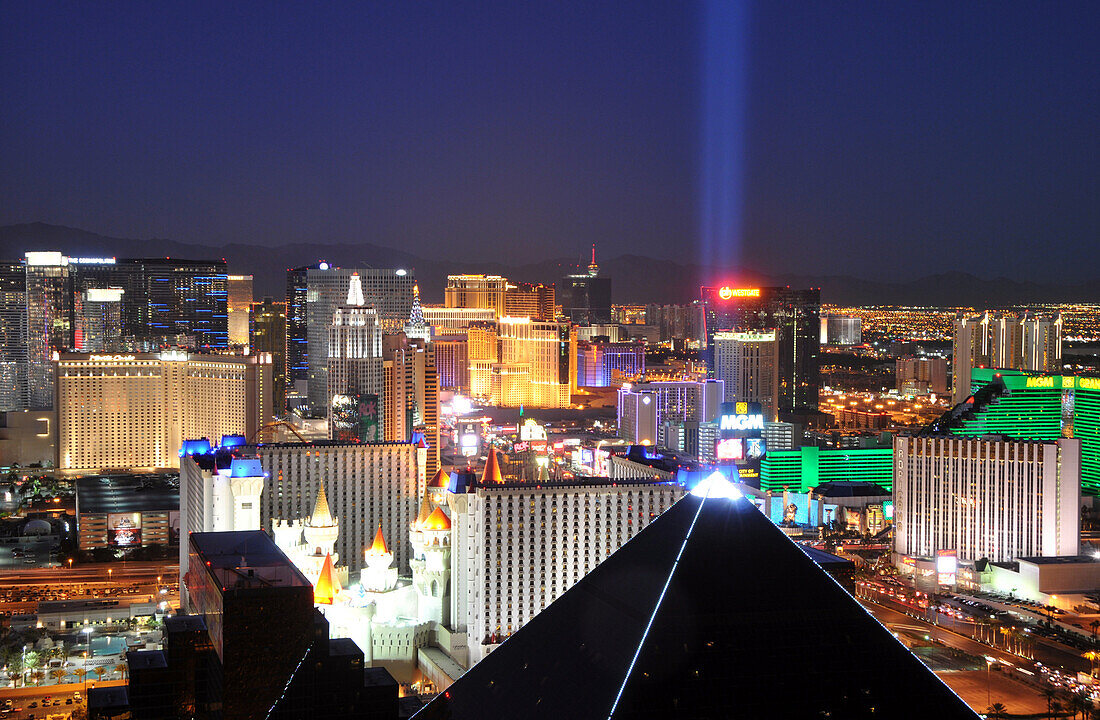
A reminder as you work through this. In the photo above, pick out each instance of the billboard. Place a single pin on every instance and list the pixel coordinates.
(468, 438)
(740, 441)
(947, 564)
(124, 529)
(355, 418)
(729, 449)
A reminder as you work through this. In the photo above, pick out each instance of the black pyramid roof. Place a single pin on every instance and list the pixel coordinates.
(748, 626)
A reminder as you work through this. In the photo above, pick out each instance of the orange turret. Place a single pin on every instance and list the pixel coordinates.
(328, 585)
(439, 480)
(491, 475)
(438, 520)
(378, 547)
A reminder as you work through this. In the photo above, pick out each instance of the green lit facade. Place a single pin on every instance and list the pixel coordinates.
(806, 468)
(1032, 406)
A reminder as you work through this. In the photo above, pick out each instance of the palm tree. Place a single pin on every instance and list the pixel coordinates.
(996, 710)
(121, 669)
(58, 674)
(1080, 704)
(1095, 625)
(79, 673)
(1049, 695)
(99, 671)
(38, 675)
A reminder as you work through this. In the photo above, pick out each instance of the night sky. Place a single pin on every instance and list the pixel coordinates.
(885, 140)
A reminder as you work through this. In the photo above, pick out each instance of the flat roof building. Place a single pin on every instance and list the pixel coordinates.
(135, 410)
(127, 511)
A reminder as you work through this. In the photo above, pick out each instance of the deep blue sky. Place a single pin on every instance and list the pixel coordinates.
(885, 140)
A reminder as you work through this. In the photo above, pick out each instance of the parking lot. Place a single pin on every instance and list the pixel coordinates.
(29, 555)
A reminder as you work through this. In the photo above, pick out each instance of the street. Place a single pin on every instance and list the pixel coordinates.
(978, 688)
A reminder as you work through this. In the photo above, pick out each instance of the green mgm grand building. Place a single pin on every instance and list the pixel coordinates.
(1033, 406)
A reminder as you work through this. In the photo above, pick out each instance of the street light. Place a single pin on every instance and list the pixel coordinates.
(988, 665)
(70, 563)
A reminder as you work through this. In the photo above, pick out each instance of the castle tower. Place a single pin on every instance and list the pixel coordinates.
(416, 535)
(321, 531)
(432, 572)
(437, 487)
(378, 576)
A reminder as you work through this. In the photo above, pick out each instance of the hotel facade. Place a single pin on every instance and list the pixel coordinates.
(134, 410)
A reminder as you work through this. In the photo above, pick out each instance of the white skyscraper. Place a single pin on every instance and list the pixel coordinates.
(748, 363)
(969, 349)
(516, 547)
(389, 292)
(355, 355)
(995, 499)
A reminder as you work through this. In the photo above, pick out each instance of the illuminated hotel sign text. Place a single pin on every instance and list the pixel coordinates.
(727, 292)
(112, 358)
(741, 422)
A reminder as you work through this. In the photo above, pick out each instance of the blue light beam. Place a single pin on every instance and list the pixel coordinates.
(722, 145)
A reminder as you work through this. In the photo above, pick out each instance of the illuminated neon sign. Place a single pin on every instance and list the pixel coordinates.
(741, 422)
(1040, 382)
(112, 358)
(727, 292)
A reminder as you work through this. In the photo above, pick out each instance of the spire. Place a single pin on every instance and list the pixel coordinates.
(438, 520)
(416, 313)
(355, 291)
(328, 584)
(378, 547)
(425, 510)
(439, 480)
(321, 516)
(491, 474)
(593, 268)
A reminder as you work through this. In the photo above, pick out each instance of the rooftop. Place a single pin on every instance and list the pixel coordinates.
(127, 494)
(1060, 560)
(850, 488)
(246, 559)
(146, 659)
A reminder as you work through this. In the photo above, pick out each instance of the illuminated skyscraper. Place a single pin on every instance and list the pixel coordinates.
(135, 410)
(267, 334)
(163, 298)
(996, 499)
(586, 298)
(1025, 342)
(969, 349)
(388, 292)
(297, 332)
(794, 315)
(354, 373)
(13, 337)
(452, 362)
(411, 393)
(748, 363)
(537, 364)
(239, 304)
(476, 292)
(49, 321)
(98, 319)
(529, 300)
